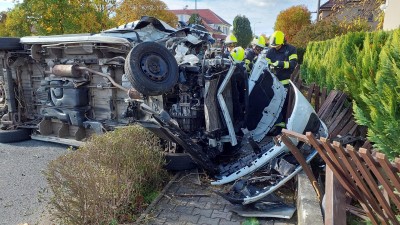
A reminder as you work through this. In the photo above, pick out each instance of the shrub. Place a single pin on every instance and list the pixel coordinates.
(107, 179)
(365, 66)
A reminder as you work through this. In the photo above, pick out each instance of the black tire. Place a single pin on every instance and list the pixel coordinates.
(151, 68)
(3, 103)
(179, 161)
(10, 136)
(10, 44)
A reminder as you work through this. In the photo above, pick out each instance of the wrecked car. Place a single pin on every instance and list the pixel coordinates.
(65, 88)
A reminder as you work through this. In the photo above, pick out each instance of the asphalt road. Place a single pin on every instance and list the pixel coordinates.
(23, 187)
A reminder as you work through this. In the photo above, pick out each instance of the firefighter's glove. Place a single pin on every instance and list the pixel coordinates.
(278, 64)
(248, 65)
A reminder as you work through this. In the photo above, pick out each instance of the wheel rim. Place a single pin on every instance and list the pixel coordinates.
(155, 67)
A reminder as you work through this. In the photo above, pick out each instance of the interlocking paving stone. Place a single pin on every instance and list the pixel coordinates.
(175, 209)
(208, 199)
(208, 221)
(184, 209)
(221, 214)
(202, 212)
(227, 222)
(197, 204)
(210, 205)
(189, 218)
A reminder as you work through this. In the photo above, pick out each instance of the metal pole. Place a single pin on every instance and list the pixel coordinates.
(319, 5)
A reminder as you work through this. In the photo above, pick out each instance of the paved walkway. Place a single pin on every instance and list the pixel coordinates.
(191, 201)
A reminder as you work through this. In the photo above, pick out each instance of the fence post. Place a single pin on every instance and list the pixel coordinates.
(335, 200)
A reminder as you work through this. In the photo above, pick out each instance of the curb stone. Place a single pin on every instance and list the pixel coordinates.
(308, 207)
(157, 199)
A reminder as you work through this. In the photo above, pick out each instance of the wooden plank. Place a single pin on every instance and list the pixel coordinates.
(357, 212)
(353, 171)
(333, 155)
(366, 174)
(348, 185)
(337, 113)
(327, 103)
(353, 130)
(347, 128)
(316, 98)
(300, 137)
(333, 166)
(386, 165)
(339, 103)
(335, 200)
(303, 163)
(323, 95)
(339, 119)
(382, 179)
(296, 74)
(299, 83)
(349, 170)
(342, 123)
(310, 92)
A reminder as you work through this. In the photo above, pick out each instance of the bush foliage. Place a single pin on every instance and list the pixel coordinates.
(108, 179)
(367, 67)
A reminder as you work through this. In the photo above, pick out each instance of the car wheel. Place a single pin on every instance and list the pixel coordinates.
(10, 44)
(179, 161)
(151, 68)
(10, 136)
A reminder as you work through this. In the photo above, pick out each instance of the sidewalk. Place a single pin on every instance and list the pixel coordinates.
(190, 201)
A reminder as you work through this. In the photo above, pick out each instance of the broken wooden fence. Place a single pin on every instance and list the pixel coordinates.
(368, 178)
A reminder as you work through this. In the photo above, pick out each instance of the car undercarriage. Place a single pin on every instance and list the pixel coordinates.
(171, 81)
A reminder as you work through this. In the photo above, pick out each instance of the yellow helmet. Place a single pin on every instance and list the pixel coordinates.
(238, 54)
(230, 39)
(277, 38)
(259, 41)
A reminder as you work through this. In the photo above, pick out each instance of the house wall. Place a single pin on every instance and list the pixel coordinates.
(392, 18)
(352, 11)
(222, 27)
(183, 17)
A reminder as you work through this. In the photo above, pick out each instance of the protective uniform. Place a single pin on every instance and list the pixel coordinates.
(282, 56)
(239, 86)
(252, 53)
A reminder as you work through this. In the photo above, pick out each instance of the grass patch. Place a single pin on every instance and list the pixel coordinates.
(111, 179)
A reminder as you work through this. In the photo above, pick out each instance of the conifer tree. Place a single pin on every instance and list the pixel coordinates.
(242, 30)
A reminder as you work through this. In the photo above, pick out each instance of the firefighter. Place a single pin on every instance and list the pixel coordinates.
(239, 86)
(282, 57)
(230, 44)
(252, 53)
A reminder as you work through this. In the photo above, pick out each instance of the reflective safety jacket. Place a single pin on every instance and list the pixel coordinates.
(286, 54)
(249, 59)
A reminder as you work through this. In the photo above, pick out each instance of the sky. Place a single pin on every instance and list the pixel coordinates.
(261, 13)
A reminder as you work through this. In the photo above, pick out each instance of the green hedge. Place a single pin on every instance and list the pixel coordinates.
(365, 66)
